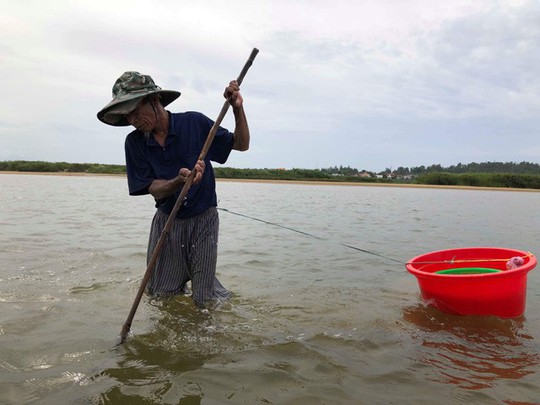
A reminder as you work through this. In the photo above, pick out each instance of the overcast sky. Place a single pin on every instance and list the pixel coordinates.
(368, 84)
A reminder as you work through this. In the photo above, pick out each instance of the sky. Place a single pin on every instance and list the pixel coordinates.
(367, 84)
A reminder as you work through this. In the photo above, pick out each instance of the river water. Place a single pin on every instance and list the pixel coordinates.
(311, 321)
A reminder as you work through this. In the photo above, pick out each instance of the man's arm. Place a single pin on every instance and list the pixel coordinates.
(164, 188)
(241, 130)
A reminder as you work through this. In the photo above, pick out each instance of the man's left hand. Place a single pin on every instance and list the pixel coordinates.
(232, 93)
(184, 173)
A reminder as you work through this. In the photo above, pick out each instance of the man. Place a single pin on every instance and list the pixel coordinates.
(159, 154)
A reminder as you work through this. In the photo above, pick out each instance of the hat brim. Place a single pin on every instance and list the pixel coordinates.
(115, 112)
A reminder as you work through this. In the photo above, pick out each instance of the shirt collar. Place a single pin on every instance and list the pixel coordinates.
(172, 129)
(171, 132)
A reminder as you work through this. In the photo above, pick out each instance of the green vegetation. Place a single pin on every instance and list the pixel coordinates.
(63, 167)
(486, 167)
(490, 174)
(508, 180)
(282, 174)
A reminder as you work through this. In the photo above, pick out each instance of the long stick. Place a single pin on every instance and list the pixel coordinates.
(178, 204)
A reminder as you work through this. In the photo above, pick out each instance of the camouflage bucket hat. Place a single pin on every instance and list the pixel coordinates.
(128, 91)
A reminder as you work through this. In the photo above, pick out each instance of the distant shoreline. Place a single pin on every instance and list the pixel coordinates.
(61, 173)
(360, 184)
(301, 182)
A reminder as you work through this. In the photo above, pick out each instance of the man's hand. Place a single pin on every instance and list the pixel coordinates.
(199, 171)
(232, 93)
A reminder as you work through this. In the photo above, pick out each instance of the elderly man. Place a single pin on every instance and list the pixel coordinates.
(159, 154)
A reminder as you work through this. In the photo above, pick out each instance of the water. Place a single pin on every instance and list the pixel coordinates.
(311, 321)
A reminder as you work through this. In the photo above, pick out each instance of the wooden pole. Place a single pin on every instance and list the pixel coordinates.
(127, 325)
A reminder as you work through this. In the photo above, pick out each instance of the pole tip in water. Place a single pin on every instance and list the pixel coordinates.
(124, 333)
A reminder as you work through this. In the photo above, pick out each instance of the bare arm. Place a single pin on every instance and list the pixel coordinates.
(164, 188)
(241, 129)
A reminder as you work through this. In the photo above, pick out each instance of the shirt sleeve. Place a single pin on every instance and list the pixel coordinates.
(222, 144)
(139, 172)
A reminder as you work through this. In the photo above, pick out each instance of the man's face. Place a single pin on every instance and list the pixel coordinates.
(143, 117)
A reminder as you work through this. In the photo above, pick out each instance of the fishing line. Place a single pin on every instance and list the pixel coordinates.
(311, 235)
(451, 261)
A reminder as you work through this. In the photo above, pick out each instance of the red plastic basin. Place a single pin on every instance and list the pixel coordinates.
(501, 294)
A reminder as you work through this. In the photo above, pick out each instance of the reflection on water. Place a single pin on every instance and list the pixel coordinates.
(473, 352)
(191, 355)
(183, 338)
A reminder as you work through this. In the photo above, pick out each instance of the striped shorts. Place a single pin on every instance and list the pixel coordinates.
(188, 254)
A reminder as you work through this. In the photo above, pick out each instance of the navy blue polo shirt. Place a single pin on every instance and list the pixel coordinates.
(147, 160)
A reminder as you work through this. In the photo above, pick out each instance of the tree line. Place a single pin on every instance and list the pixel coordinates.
(489, 174)
(60, 167)
(485, 167)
